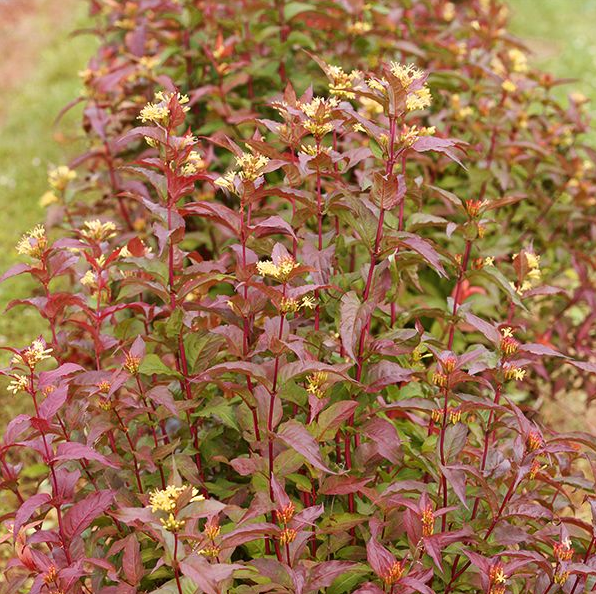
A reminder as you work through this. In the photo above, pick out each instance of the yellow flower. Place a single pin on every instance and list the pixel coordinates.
(60, 177)
(35, 353)
(449, 12)
(359, 28)
(519, 60)
(48, 198)
(289, 305)
(89, 279)
(227, 181)
(489, 261)
(166, 499)
(172, 524)
(371, 108)
(315, 383)
(280, 272)
(194, 163)
(98, 231)
(406, 73)
(251, 166)
(308, 302)
(20, 383)
(342, 81)
(419, 99)
(159, 112)
(509, 86)
(33, 243)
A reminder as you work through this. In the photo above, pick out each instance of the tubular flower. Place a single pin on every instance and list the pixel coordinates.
(315, 383)
(60, 177)
(36, 353)
(251, 166)
(166, 499)
(158, 112)
(393, 574)
(535, 441)
(33, 243)
(563, 551)
(287, 535)
(514, 373)
(428, 521)
(172, 524)
(281, 271)
(497, 579)
(132, 364)
(287, 513)
(194, 163)
(342, 82)
(509, 345)
(212, 529)
(47, 199)
(97, 231)
(19, 383)
(289, 305)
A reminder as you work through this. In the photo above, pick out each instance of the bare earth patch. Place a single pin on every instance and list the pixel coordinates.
(26, 27)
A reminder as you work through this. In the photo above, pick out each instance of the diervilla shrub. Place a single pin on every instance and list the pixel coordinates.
(300, 308)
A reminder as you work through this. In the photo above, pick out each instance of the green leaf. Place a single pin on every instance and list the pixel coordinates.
(174, 323)
(348, 581)
(153, 364)
(223, 410)
(294, 8)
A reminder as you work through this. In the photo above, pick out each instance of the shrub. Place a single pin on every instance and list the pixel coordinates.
(295, 333)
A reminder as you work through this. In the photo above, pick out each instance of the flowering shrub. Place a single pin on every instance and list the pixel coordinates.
(295, 332)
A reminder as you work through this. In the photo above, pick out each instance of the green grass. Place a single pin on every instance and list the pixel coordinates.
(28, 145)
(560, 34)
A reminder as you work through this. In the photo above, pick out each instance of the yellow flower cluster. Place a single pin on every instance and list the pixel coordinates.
(194, 163)
(448, 12)
(47, 199)
(342, 81)
(227, 181)
(19, 383)
(533, 274)
(166, 499)
(34, 354)
(315, 383)
(319, 111)
(281, 271)
(251, 165)
(514, 373)
(359, 28)
(98, 231)
(497, 579)
(158, 112)
(519, 60)
(33, 243)
(172, 524)
(89, 279)
(60, 177)
(410, 134)
(251, 168)
(370, 107)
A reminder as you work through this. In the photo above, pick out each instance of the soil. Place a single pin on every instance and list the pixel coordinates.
(26, 28)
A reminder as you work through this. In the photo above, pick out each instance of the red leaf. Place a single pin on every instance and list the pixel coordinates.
(425, 249)
(26, 510)
(80, 516)
(297, 437)
(131, 561)
(78, 451)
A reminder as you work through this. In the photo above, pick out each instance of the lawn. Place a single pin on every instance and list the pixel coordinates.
(560, 34)
(46, 80)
